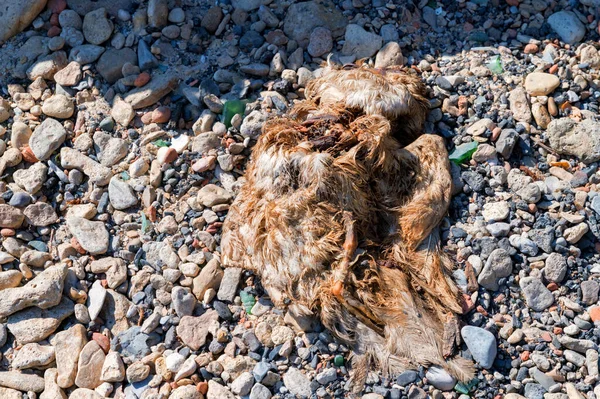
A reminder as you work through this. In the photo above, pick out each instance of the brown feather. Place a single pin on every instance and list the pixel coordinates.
(353, 150)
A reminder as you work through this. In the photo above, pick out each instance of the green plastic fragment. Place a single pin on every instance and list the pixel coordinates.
(495, 65)
(230, 108)
(124, 176)
(248, 301)
(463, 152)
(162, 143)
(338, 360)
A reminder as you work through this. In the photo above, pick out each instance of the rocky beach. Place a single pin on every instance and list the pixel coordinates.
(125, 128)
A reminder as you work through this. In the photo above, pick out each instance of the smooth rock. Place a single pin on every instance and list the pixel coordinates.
(92, 236)
(481, 343)
(47, 138)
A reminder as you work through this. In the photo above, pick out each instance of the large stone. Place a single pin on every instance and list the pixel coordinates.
(481, 344)
(17, 15)
(541, 83)
(297, 383)
(40, 214)
(51, 388)
(92, 236)
(537, 296)
(498, 265)
(47, 138)
(218, 391)
(149, 94)
(32, 178)
(519, 105)
(89, 367)
(114, 312)
(567, 26)
(302, 18)
(21, 381)
(35, 324)
(97, 28)
(114, 268)
(210, 277)
(68, 345)
(111, 63)
(360, 43)
(121, 194)
(581, 140)
(194, 330)
(10, 216)
(44, 291)
(33, 355)
(211, 195)
(73, 159)
(122, 112)
(58, 106)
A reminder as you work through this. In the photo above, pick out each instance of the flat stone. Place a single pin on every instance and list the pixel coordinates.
(440, 378)
(229, 283)
(10, 217)
(481, 343)
(89, 366)
(40, 214)
(110, 64)
(58, 106)
(114, 150)
(218, 391)
(121, 194)
(568, 26)
(47, 138)
(114, 268)
(114, 312)
(575, 233)
(302, 18)
(297, 383)
(68, 345)
(209, 278)
(86, 53)
(495, 211)
(149, 94)
(194, 330)
(555, 267)
(17, 16)
(538, 297)
(35, 324)
(10, 279)
(360, 43)
(32, 178)
(92, 236)
(73, 159)
(541, 83)
(122, 112)
(69, 75)
(498, 265)
(211, 195)
(21, 381)
(33, 355)
(97, 28)
(96, 296)
(44, 291)
(519, 104)
(113, 369)
(51, 389)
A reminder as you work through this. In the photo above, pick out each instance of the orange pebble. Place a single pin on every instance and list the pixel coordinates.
(142, 79)
(28, 155)
(595, 313)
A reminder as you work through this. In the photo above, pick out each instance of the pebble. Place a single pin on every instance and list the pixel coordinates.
(481, 344)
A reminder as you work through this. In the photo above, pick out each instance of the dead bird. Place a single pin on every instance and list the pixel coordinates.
(339, 216)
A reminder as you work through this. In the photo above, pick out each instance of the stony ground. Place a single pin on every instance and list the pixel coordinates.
(123, 142)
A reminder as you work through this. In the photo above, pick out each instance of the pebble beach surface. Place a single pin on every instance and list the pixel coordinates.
(124, 133)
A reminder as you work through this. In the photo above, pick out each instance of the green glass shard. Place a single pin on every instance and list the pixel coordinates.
(338, 360)
(230, 108)
(463, 152)
(162, 143)
(495, 65)
(248, 301)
